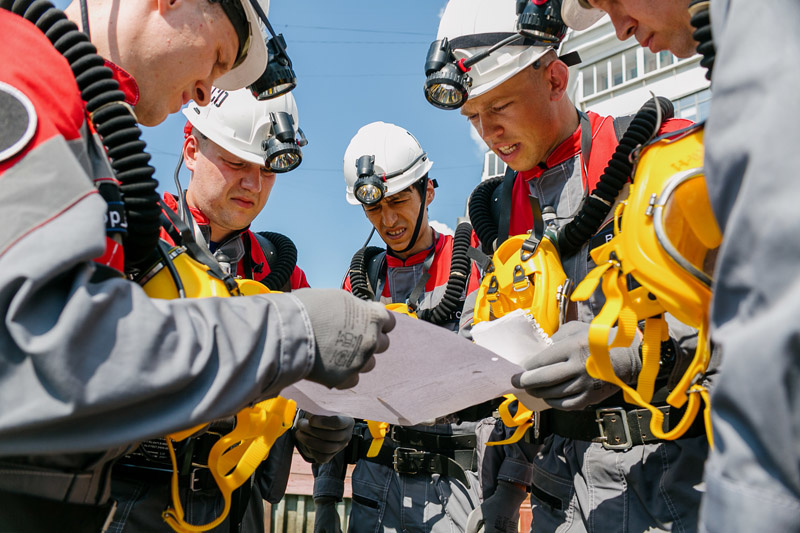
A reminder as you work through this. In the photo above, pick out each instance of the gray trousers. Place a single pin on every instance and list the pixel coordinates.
(385, 501)
(582, 487)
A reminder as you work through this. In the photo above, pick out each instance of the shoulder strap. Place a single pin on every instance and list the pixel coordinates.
(269, 249)
(376, 272)
(505, 205)
(621, 125)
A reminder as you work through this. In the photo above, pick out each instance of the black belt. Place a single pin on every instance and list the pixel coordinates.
(20, 512)
(412, 452)
(616, 428)
(196, 479)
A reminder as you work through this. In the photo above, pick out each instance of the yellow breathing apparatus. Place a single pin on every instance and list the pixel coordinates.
(234, 457)
(520, 279)
(665, 237)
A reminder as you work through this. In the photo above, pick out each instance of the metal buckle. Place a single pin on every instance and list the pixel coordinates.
(194, 480)
(405, 464)
(603, 438)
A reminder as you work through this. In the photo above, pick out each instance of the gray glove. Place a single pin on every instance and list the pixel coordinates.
(499, 513)
(319, 438)
(347, 331)
(558, 374)
(326, 517)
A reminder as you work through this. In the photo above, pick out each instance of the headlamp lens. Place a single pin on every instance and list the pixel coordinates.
(445, 96)
(447, 88)
(282, 156)
(285, 162)
(369, 193)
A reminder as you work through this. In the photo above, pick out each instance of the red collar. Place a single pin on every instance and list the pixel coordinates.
(419, 257)
(172, 202)
(126, 82)
(568, 148)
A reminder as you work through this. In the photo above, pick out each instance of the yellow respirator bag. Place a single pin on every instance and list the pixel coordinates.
(519, 278)
(523, 275)
(234, 457)
(665, 237)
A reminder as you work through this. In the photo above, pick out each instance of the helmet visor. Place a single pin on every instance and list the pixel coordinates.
(685, 225)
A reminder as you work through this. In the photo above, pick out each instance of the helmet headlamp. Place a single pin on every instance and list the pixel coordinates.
(278, 77)
(282, 150)
(369, 188)
(541, 20)
(447, 82)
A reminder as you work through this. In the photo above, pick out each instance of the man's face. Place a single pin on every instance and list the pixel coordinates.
(516, 119)
(395, 216)
(177, 56)
(231, 192)
(656, 24)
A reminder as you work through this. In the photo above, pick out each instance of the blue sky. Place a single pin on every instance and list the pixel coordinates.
(357, 61)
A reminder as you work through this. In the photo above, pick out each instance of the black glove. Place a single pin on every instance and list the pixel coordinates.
(558, 374)
(326, 517)
(319, 438)
(499, 513)
(347, 331)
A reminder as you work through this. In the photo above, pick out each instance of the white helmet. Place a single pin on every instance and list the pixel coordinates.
(474, 26)
(397, 160)
(253, 50)
(579, 15)
(261, 132)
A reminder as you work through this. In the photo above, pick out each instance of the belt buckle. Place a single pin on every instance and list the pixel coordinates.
(603, 438)
(194, 480)
(403, 460)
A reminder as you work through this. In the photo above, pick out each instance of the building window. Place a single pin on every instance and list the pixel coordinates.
(694, 107)
(650, 61)
(602, 76)
(616, 70)
(492, 166)
(588, 81)
(665, 58)
(631, 68)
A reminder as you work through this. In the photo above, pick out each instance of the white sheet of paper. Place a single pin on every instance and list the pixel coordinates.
(515, 338)
(427, 372)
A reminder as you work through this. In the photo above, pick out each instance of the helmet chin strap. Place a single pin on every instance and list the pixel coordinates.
(417, 226)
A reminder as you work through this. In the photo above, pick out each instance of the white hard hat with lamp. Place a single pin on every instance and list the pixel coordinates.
(260, 132)
(381, 160)
(482, 43)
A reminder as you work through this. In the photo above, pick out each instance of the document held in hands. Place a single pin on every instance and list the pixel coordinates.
(426, 373)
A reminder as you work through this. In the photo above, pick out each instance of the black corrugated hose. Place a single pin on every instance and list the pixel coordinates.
(480, 213)
(580, 229)
(359, 285)
(702, 21)
(460, 265)
(286, 254)
(113, 121)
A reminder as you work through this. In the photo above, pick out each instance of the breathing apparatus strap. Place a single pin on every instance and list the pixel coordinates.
(506, 194)
(422, 207)
(200, 253)
(234, 457)
(523, 419)
(623, 308)
(419, 288)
